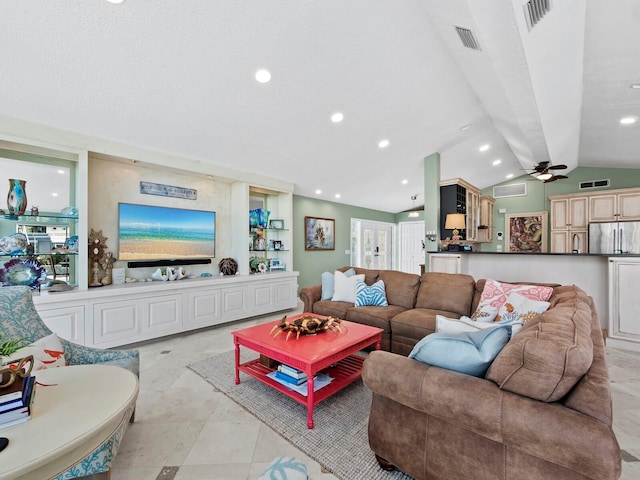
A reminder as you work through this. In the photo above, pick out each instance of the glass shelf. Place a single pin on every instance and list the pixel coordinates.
(43, 219)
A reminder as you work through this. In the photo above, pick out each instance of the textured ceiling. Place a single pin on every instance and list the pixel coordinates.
(177, 77)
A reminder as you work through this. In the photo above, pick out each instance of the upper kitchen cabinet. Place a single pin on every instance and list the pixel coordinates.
(569, 223)
(459, 196)
(615, 205)
(486, 227)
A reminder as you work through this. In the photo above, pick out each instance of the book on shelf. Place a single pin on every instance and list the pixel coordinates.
(292, 372)
(289, 379)
(25, 384)
(319, 381)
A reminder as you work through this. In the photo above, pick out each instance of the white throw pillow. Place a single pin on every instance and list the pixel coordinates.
(344, 287)
(47, 353)
(462, 324)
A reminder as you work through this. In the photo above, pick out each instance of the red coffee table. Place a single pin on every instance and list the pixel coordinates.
(331, 352)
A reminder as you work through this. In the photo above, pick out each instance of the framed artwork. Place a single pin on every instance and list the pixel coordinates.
(526, 232)
(276, 224)
(319, 233)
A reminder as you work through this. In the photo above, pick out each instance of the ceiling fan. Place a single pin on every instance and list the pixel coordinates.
(542, 172)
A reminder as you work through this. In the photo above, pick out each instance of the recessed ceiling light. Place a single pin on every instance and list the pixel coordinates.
(465, 127)
(318, 192)
(54, 194)
(497, 161)
(337, 195)
(405, 181)
(263, 76)
(510, 175)
(635, 85)
(116, 2)
(484, 147)
(383, 143)
(61, 172)
(337, 117)
(628, 120)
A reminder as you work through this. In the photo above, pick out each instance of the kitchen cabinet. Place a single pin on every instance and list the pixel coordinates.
(445, 262)
(569, 224)
(615, 205)
(624, 303)
(486, 226)
(459, 196)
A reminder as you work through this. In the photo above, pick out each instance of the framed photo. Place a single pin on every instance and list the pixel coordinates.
(319, 233)
(526, 232)
(276, 224)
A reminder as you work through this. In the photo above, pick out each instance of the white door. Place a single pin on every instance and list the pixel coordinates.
(372, 244)
(411, 246)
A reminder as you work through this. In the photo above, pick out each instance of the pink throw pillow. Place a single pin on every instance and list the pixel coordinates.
(495, 293)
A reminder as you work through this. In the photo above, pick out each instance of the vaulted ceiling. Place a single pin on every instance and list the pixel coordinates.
(178, 77)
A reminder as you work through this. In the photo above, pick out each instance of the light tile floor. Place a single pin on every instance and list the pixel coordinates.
(187, 430)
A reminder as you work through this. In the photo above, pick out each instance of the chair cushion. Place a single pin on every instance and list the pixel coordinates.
(47, 353)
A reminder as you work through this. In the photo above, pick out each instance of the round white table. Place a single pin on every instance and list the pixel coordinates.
(78, 418)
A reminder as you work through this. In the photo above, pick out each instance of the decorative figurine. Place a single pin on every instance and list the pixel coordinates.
(17, 197)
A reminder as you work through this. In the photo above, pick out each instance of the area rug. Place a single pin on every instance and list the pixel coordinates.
(338, 441)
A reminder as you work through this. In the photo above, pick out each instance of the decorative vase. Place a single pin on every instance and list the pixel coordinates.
(17, 197)
(259, 243)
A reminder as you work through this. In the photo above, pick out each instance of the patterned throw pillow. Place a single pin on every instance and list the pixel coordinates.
(494, 295)
(373, 295)
(47, 353)
(520, 309)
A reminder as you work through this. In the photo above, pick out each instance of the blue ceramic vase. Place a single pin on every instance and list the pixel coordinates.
(17, 197)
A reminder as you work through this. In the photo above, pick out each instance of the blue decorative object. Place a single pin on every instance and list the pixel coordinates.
(259, 217)
(23, 272)
(14, 244)
(71, 243)
(17, 197)
(69, 211)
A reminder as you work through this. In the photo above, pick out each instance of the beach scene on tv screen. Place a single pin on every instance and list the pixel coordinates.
(149, 232)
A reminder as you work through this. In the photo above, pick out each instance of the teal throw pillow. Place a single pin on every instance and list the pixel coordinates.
(464, 352)
(285, 468)
(373, 295)
(328, 282)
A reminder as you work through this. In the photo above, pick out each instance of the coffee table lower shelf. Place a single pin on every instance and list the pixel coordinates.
(346, 371)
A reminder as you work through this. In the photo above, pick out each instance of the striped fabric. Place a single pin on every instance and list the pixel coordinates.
(373, 295)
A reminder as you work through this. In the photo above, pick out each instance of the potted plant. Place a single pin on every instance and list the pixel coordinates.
(9, 347)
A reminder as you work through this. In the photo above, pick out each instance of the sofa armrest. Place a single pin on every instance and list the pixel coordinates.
(472, 402)
(310, 295)
(548, 431)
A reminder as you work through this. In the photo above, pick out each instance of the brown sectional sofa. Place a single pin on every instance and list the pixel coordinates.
(543, 410)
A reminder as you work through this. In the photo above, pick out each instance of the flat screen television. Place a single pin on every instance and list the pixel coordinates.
(147, 232)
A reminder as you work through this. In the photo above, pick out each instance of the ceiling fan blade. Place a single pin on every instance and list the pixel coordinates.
(554, 178)
(557, 167)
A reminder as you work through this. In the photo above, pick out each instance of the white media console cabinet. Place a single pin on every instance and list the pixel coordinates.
(118, 315)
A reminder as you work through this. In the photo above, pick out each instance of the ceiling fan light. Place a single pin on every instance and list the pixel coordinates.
(545, 176)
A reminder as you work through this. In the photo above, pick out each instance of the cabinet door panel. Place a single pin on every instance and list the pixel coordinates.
(559, 241)
(559, 215)
(602, 208)
(261, 296)
(629, 206)
(116, 323)
(163, 314)
(579, 219)
(285, 295)
(204, 308)
(624, 302)
(66, 322)
(234, 302)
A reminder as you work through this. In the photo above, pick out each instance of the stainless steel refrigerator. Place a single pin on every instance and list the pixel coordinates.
(614, 237)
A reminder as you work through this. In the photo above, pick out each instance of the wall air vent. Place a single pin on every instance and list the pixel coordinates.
(534, 10)
(595, 184)
(515, 190)
(468, 38)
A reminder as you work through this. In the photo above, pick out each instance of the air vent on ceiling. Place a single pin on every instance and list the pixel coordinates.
(594, 184)
(468, 38)
(515, 190)
(534, 10)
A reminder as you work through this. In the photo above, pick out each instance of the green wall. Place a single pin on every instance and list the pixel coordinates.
(311, 264)
(536, 199)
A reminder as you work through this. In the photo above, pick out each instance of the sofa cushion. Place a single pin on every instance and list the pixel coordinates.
(465, 352)
(344, 287)
(370, 276)
(547, 358)
(371, 295)
(401, 287)
(379, 317)
(417, 322)
(332, 309)
(446, 292)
